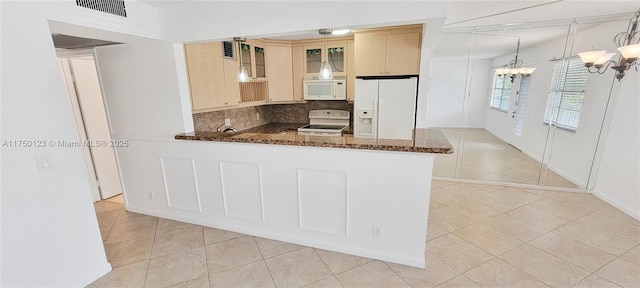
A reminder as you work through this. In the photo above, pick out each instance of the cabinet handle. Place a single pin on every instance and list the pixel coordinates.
(225, 103)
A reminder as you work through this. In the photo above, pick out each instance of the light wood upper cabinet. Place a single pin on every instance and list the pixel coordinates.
(351, 75)
(370, 54)
(279, 60)
(212, 79)
(206, 75)
(253, 58)
(232, 89)
(336, 54)
(403, 54)
(298, 72)
(388, 51)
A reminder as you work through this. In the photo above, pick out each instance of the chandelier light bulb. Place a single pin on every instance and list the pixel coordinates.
(604, 58)
(630, 51)
(590, 57)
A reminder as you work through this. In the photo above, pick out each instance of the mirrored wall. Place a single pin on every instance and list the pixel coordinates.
(542, 128)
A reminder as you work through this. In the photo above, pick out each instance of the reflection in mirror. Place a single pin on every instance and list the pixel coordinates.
(577, 105)
(494, 149)
(539, 129)
(446, 109)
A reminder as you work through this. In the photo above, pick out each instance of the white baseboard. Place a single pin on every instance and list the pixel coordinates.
(305, 241)
(511, 184)
(617, 204)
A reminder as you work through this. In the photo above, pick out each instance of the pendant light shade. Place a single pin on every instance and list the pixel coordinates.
(243, 75)
(630, 51)
(325, 68)
(628, 43)
(325, 71)
(591, 57)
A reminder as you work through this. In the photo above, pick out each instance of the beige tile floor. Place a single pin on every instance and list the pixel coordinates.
(485, 157)
(478, 236)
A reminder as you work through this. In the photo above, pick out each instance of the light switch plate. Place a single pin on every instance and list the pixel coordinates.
(44, 163)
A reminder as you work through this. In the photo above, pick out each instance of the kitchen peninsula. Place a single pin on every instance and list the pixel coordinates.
(364, 197)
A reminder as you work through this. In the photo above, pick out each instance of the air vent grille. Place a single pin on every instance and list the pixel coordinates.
(115, 7)
(227, 50)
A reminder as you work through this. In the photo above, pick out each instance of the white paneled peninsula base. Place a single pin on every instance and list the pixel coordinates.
(368, 203)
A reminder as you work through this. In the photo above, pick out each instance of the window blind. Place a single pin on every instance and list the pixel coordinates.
(501, 93)
(521, 105)
(566, 94)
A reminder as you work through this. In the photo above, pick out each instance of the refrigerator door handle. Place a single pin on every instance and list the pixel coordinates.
(375, 116)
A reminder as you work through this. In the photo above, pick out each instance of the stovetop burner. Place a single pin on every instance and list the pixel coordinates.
(326, 123)
(324, 127)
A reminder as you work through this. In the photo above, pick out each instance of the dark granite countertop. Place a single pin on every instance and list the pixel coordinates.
(426, 140)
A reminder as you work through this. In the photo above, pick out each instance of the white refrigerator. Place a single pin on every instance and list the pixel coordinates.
(385, 107)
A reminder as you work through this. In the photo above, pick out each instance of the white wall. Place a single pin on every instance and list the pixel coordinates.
(618, 181)
(50, 234)
(570, 153)
(147, 106)
(449, 80)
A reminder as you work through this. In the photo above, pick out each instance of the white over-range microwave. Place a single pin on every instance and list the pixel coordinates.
(334, 89)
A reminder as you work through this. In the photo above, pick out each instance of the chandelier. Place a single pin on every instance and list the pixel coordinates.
(514, 68)
(629, 47)
(325, 68)
(243, 75)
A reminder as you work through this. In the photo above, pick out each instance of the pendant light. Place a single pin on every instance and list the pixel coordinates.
(628, 43)
(325, 68)
(514, 68)
(243, 76)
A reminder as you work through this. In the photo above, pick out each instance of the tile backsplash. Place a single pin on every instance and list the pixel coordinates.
(241, 118)
(245, 118)
(299, 113)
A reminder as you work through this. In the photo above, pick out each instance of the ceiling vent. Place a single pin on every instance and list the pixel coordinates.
(115, 7)
(227, 50)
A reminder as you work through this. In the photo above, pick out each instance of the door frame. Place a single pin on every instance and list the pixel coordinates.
(83, 134)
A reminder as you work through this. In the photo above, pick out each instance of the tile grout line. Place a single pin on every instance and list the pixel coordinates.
(206, 257)
(149, 263)
(265, 262)
(616, 258)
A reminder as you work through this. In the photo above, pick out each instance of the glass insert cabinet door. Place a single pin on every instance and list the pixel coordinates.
(260, 66)
(314, 60)
(245, 49)
(335, 57)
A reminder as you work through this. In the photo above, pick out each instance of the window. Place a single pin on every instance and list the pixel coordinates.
(566, 93)
(501, 93)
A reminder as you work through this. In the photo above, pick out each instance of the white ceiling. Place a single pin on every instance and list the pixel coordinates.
(532, 21)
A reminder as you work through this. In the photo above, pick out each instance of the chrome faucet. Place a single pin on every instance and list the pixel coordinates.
(227, 129)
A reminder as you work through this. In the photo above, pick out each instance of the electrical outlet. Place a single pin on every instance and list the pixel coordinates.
(151, 194)
(227, 122)
(377, 232)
